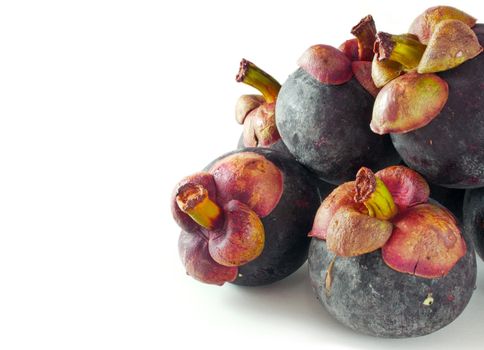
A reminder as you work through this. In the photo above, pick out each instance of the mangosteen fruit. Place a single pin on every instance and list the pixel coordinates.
(432, 98)
(474, 218)
(385, 261)
(324, 108)
(245, 218)
(257, 112)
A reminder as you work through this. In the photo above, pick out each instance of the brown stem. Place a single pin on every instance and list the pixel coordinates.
(365, 32)
(252, 75)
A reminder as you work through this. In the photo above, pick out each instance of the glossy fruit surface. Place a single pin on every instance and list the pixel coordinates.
(474, 218)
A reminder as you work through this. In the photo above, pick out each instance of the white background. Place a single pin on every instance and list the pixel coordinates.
(104, 106)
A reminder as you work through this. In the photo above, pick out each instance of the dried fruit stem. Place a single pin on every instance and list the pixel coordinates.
(404, 49)
(365, 32)
(252, 75)
(372, 192)
(193, 200)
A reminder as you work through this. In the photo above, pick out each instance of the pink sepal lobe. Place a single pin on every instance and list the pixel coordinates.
(326, 64)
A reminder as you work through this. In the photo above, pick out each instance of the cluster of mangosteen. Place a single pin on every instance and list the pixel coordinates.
(364, 162)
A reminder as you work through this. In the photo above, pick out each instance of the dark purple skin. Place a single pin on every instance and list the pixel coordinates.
(369, 297)
(277, 146)
(287, 226)
(449, 151)
(474, 218)
(326, 127)
(451, 198)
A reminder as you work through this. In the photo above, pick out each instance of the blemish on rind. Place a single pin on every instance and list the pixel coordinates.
(429, 300)
(329, 277)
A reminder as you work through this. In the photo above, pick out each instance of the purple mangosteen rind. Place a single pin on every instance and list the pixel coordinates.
(474, 218)
(278, 146)
(450, 198)
(325, 127)
(377, 293)
(369, 297)
(449, 151)
(411, 101)
(324, 108)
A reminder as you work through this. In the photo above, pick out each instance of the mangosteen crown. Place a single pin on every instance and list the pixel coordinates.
(416, 237)
(440, 39)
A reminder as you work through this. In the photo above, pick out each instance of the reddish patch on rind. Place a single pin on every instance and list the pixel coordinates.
(350, 49)
(407, 187)
(362, 72)
(423, 26)
(426, 242)
(341, 197)
(241, 239)
(408, 102)
(193, 250)
(326, 64)
(249, 178)
(351, 233)
(183, 220)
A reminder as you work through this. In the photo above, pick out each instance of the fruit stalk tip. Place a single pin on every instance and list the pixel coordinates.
(194, 201)
(365, 32)
(252, 75)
